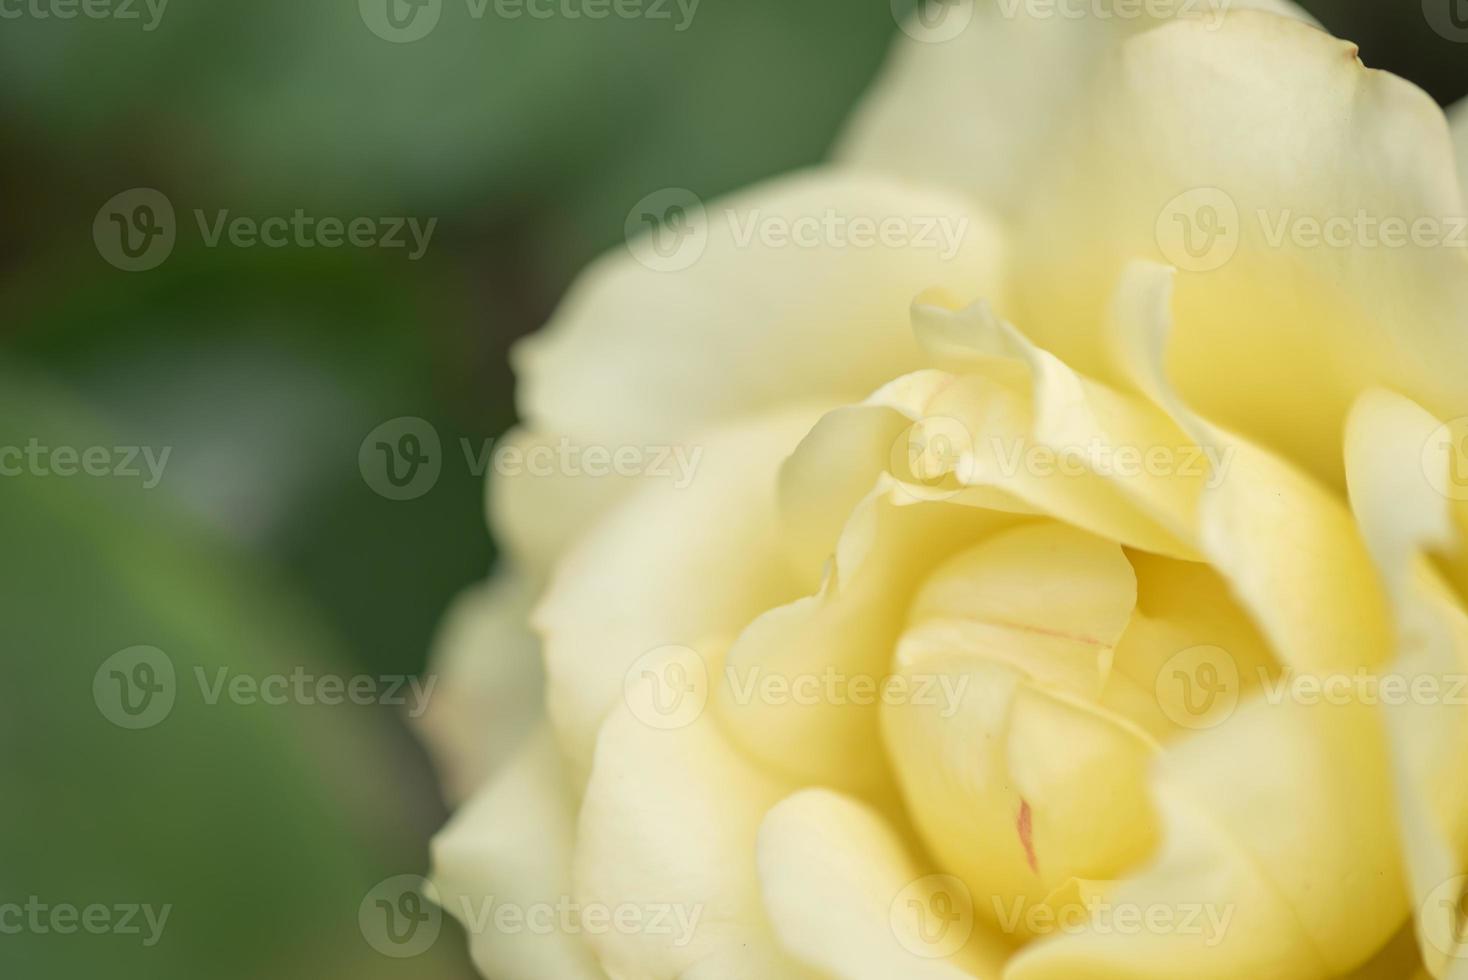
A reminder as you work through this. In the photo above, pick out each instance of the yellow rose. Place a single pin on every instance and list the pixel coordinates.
(1030, 547)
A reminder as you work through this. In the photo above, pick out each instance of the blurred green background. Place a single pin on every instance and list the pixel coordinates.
(263, 549)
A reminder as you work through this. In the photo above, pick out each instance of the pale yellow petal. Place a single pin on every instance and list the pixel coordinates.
(846, 895)
(643, 354)
(975, 99)
(1074, 448)
(1285, 542)
(1218, 139)
(1278, 858)
(1397, 468)
(668, 566)
(669, 820)
(1017, 780)
(488, 683)
(510, 847)
(542, 497)
(803, 682)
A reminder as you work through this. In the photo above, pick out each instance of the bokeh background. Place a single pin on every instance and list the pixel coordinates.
(263, 549)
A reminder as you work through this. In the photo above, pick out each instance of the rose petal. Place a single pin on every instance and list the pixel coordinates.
(489, 688)
(667, 566)
(1394, 476)
(641, 355)
(670, 819)
(511, 846)
(1288, 547)
(1275, 820)
(836, 877)
(1017, 635)
(1222, 134)
(979, 111)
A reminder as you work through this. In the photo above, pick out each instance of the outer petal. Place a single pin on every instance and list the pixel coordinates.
(511, 846)
(854, 918)
(978, 103)
(645, 355)
(488, 693)
(669, 820)
(1397, 467)
(668, 566)
(1205, 139)
(539, 508)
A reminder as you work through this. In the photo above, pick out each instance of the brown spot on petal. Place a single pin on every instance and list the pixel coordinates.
(1025, 827)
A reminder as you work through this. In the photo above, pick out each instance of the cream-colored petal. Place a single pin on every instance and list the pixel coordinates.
(647, 355)
(847, 896)
(1108, 462)
(802, 684)
(669, 820)
(667, 566)
(1016, 779)
(1397, 467)
(1289, 548)
(542, 497)
(977, 101)
(1190, 653)
(510, 847)
(1278, 858)
(1201, 146)
(488, 683)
